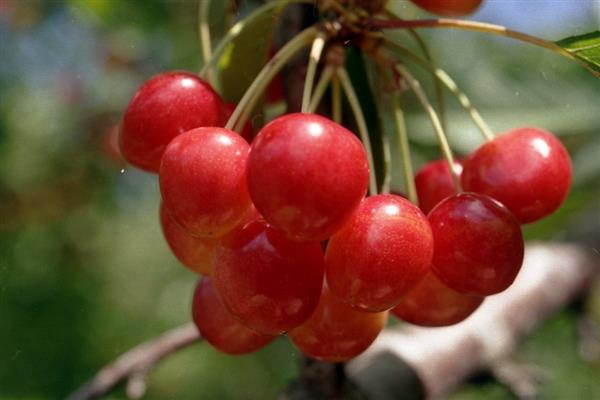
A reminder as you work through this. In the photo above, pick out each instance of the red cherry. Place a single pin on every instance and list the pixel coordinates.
(337, 332)
(203, 180)
(527, 169)
(193, 252)
(380, 254)
(478, 244)
(431, 303)
(449, 8)
(218, 327)
(228, 109)
(163, 107)
(434, 183)
(306, 175)
(269, 282)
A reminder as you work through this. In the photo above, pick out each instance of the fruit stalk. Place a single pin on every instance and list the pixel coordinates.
(204, 35)
(271, 68)
(324, 81)
(407, 169)
(346, 84)
(313, 61)
(435, 121)
(443, 77)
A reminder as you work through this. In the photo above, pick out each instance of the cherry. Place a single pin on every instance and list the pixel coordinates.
(527, 169)
(449, 8)
(269, 282)
(306, 175)
(431, 303)
(165, 106)
(218, 327)
(380, 254)
(228, 109)
(195, 253)
(337, 332)
(203, 180)
(478, 244)
(434, 183)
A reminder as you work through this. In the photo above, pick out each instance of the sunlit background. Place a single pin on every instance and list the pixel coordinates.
(84, 271)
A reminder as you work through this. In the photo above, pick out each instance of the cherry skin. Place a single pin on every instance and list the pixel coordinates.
(218, 327)
(193, 252)
(267, 281)
(431, 303)
(527, 169)
(478, 244)
(337, 332)
(306, 175)
(165, 106)
(203, 180)
(434, 183)
(449, 8)
(247, 132)
(380, 254)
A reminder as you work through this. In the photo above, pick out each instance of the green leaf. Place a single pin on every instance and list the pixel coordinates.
(248, 52)
(585, 48)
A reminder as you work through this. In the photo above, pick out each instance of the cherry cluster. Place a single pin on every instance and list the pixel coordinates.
(287, 240)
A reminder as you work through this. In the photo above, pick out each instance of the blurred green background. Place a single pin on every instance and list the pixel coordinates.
(84, 271)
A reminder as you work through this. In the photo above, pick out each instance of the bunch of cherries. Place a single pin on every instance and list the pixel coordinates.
(288, 242)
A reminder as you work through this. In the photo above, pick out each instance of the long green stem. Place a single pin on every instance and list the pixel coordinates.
(238, 28)
(386, 183)
(204, 34)
(336, 100)
(313, 61)
(443, 77)
(471, 26)
(435, 121)
(439, 90)
(246, 104)
(344, 80)
(407, 169)
(322, 84)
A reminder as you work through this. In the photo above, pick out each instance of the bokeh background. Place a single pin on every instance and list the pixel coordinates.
(84, 271)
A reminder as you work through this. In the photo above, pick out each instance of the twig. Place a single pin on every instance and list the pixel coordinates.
(135, 364)
(552, 275)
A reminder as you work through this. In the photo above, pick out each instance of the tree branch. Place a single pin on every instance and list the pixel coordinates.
(442, 358)
(136, 363)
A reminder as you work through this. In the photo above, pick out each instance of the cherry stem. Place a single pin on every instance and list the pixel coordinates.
(407, 169)
(386, 183)
(238, 28)
(435, 121)
(246, 104)
(311, 71)
(319, 91)
(336, 100)
(204, 35)
(346, 84)
(444, 78)
(470, 26)
(439, 90)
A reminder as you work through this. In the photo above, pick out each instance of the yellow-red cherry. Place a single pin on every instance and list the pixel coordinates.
(478, 244)
(527, 169)
(270, 283)
(449, 8)
(218, 327)
(165, 106)
(306, 175)
(380, 254)
(432, 303)
(337, 332)
(203, 180)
